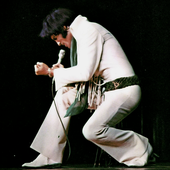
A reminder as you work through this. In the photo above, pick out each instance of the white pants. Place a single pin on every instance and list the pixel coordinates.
(126, 147)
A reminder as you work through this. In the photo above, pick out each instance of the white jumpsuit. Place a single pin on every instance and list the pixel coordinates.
(99, 53)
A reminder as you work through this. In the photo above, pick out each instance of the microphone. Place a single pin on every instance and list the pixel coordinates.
(61, 55)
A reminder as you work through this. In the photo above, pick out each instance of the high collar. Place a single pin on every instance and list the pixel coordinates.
(74, 27)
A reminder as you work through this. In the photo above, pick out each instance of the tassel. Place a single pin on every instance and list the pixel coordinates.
(98, 94)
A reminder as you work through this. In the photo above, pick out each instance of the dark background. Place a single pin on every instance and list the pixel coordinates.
(141, 27)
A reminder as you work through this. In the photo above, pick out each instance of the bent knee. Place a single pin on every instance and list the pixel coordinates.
(92, 133)
(87, 133)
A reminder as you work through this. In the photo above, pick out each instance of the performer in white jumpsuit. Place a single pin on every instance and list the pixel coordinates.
(98, 55)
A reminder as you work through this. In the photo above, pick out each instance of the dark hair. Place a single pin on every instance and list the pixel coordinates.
(55, 21)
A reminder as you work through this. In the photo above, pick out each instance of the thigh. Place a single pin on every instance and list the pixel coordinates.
(117, 105)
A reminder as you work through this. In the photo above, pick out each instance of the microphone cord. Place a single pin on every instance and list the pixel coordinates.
(65, 132)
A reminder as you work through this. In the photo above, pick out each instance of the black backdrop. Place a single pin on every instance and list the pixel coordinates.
(142, 28)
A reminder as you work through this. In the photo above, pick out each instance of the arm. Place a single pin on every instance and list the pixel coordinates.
(43, 69)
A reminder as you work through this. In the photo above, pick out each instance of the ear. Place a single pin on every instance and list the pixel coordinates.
(53, 37)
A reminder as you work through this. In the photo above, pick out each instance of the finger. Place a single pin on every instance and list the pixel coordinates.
(54, 65)
(36, 67)
(39, 63)
(36, 70)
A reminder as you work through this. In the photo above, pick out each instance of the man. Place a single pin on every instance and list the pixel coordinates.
(100, 58)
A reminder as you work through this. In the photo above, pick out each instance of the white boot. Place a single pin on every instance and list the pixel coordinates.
(42, 161)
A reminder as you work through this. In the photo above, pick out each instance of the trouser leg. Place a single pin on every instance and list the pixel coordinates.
(126, 147)
(50, 140)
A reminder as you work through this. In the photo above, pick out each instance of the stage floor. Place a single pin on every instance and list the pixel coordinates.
(157, 166)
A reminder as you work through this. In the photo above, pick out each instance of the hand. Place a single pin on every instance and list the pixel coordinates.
(55, 66)
(41, 69)
(58, 65)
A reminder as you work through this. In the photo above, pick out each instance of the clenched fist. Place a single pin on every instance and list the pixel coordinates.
(41, 69)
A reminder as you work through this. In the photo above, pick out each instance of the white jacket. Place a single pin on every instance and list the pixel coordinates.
(98, 53)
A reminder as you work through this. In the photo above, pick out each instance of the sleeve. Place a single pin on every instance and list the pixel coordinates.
(89, 51)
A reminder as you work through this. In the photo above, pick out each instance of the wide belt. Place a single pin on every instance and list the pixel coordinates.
(121, 83)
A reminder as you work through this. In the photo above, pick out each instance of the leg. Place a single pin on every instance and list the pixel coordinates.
(50, 140)
(126, 147)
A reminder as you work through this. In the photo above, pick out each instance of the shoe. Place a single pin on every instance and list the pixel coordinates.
(42, 162)
(49, 166)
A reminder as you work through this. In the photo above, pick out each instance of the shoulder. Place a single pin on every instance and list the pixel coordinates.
(81, 27)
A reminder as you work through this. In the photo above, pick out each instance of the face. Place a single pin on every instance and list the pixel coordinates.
(63, 41)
